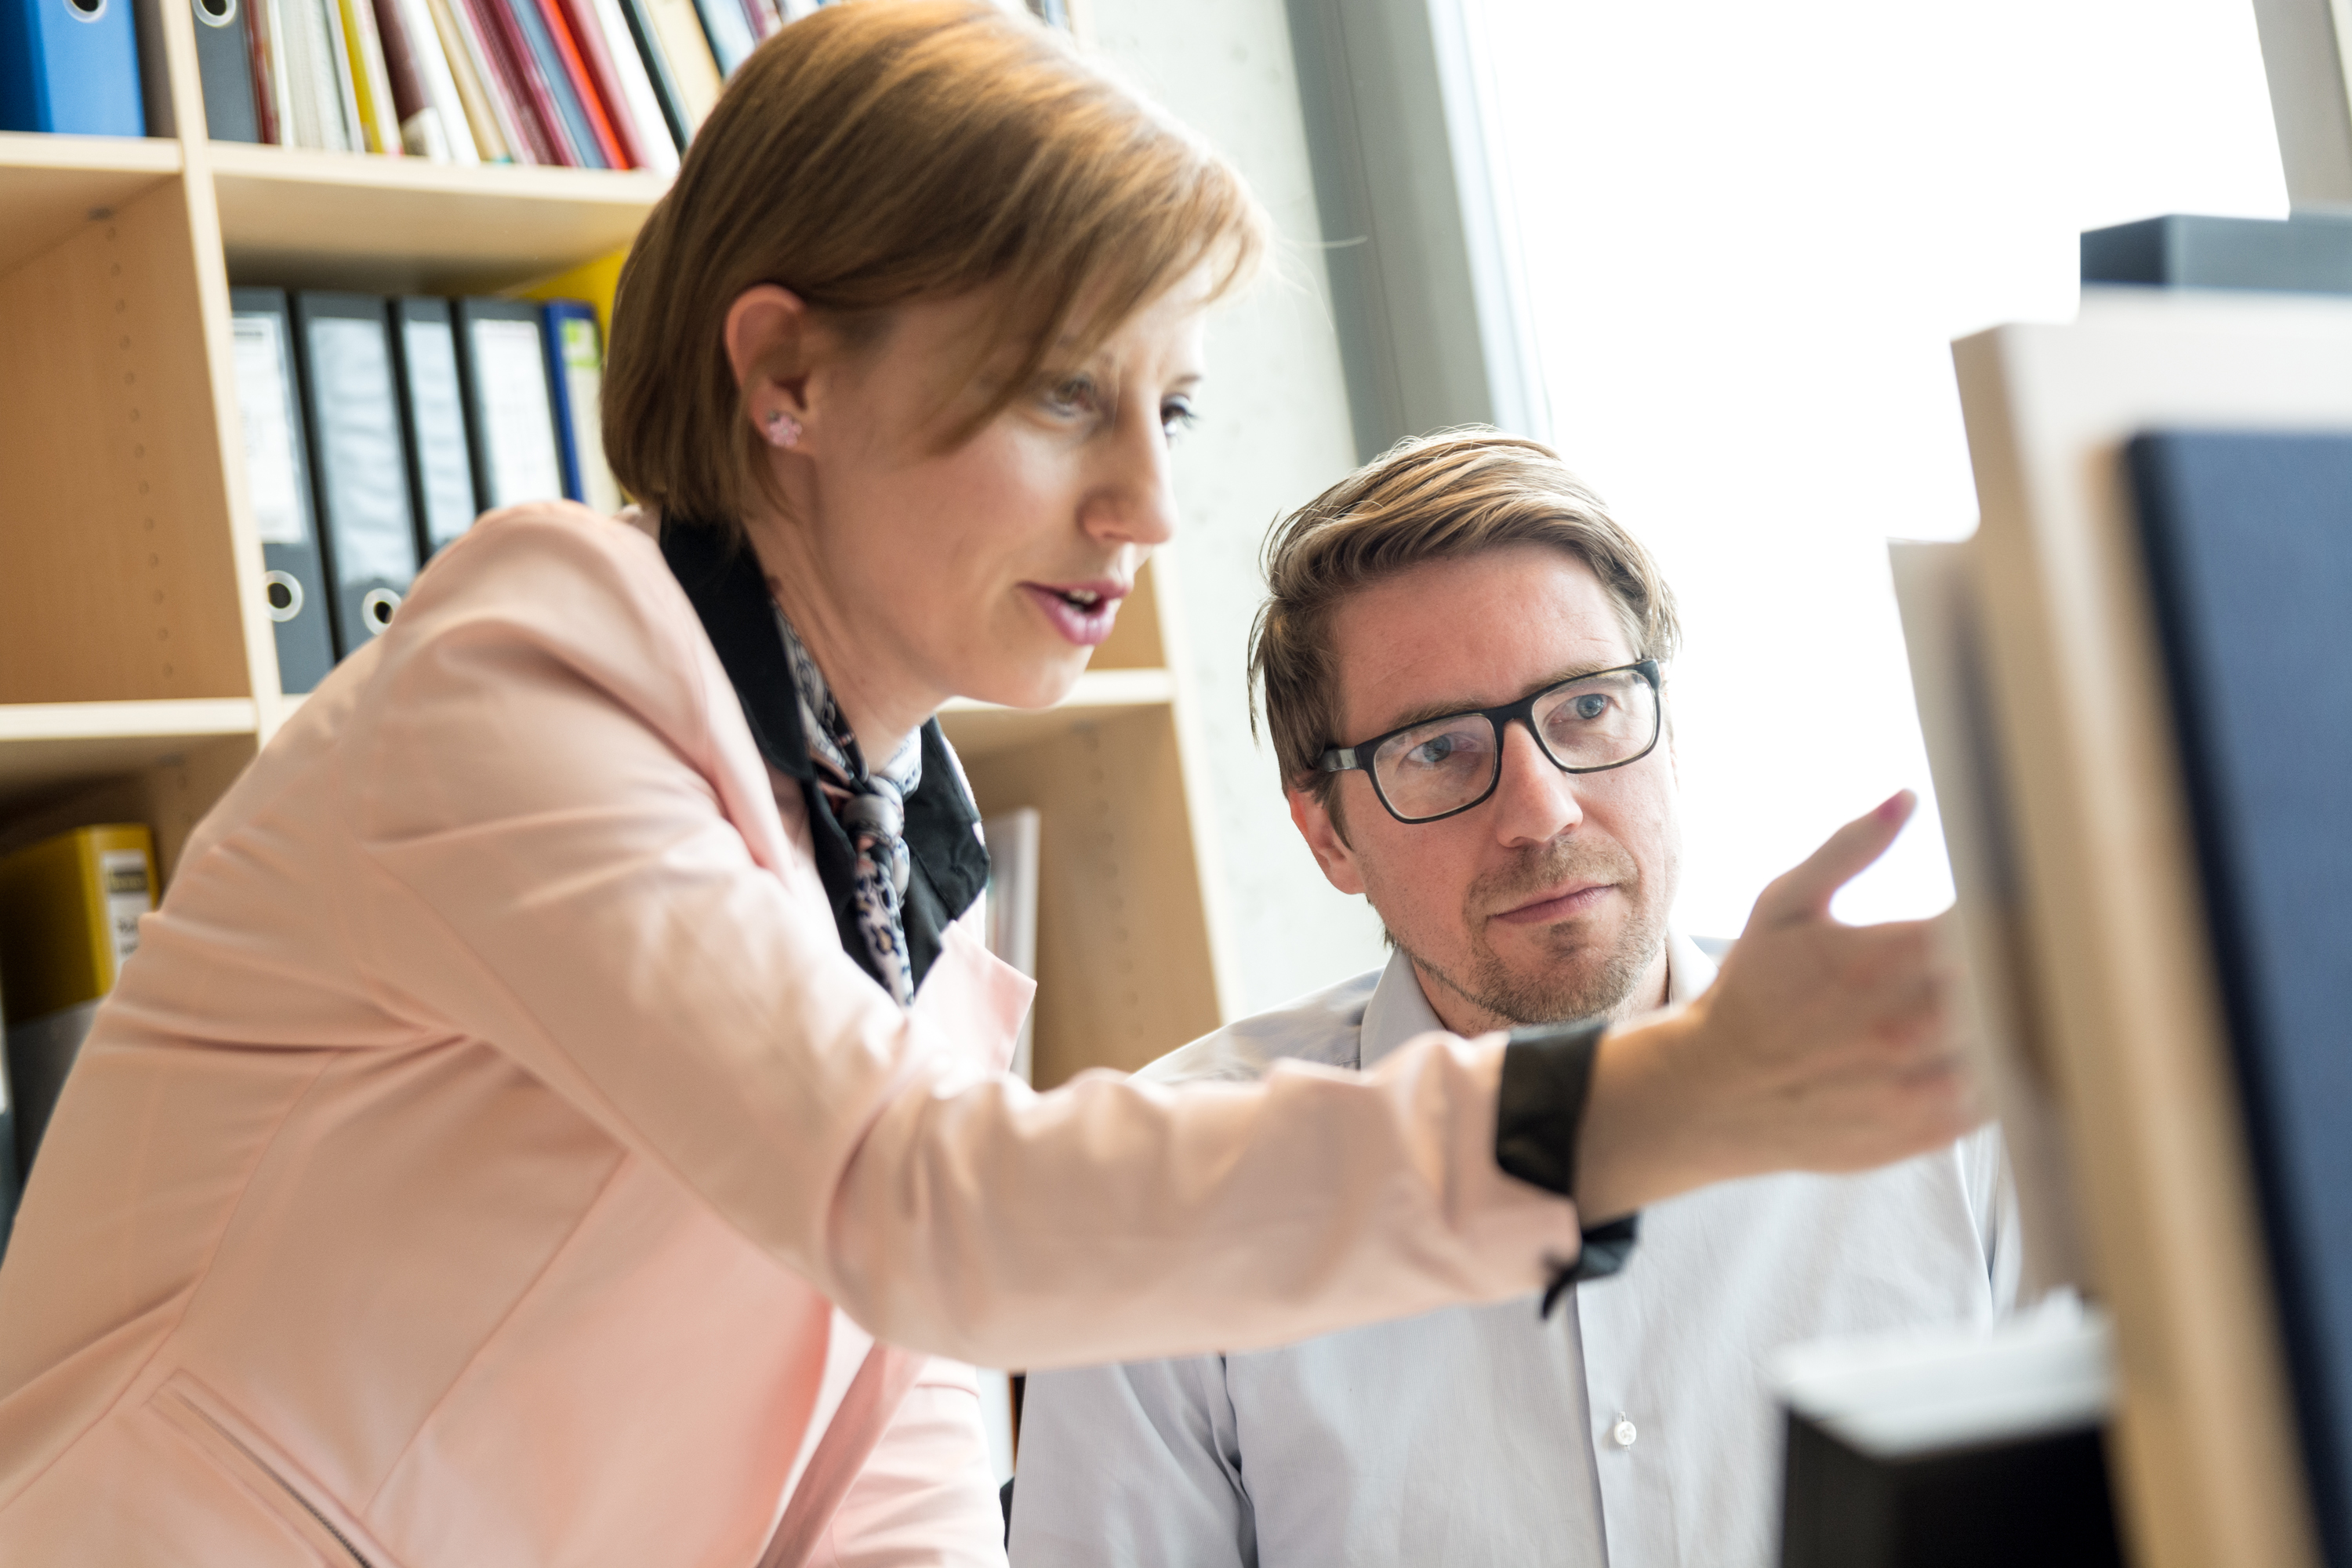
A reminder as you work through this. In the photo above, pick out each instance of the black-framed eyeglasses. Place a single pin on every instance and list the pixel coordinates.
(1441, 767)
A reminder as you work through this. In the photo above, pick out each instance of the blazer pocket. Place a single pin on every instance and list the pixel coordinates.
(187, 1407)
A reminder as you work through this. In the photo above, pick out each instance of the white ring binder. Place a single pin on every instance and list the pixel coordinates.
(376, 609)
(282, 593)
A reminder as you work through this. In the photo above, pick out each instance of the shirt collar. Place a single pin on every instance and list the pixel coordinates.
(1399, 1011)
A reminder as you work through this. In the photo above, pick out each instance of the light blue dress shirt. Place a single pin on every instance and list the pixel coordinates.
(1634, 1428)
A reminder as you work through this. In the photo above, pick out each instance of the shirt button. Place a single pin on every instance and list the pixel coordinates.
(1623, 1433)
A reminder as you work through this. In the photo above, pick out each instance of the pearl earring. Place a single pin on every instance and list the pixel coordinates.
(782, 430)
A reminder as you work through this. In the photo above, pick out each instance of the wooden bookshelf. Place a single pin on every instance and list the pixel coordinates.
(403, 225)
(49, 185)
(163, 764)
(981, 730)
(138, 670)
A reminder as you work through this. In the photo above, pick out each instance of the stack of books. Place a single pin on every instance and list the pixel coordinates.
(578, 84)
(575, 84)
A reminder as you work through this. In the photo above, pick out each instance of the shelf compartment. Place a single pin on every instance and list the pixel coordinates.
(52, 185)
(116, 584)
(1125, 973)
(1125, 970)
(981, 729)
(69, 765)
(43, 746)
(404, 224)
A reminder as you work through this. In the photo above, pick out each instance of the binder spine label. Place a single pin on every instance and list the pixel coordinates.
(358, 441)
(122, 874)
(584, 374)
(436, 407)
(266, 402)
(522, 425)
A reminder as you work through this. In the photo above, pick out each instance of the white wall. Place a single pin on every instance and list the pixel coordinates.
(1274, 431)
(1750, 232)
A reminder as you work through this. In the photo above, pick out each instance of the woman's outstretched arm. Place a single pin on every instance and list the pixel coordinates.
(572, 854)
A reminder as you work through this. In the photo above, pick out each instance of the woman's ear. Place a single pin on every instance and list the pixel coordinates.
(771, 343)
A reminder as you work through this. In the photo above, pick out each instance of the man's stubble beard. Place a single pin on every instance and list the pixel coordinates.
(1582, 984)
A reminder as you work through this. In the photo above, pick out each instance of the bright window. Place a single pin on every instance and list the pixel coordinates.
(1749, 233)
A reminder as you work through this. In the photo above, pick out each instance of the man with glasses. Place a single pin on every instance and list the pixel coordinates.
(1463, 662)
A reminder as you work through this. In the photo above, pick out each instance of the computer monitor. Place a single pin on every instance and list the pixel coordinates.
(2109, 899)
(1999, 1002)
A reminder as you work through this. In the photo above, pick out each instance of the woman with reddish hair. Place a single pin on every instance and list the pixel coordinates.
(577, 1002)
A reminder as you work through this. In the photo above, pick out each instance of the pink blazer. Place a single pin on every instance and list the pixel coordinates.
(464, 1169)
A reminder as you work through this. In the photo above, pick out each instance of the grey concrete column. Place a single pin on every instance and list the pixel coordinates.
(1425, 293)
(2302, 57)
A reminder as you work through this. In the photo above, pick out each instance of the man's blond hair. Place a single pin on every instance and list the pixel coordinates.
(1435, 498)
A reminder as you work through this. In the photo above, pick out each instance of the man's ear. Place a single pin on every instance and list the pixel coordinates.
(1321, 830)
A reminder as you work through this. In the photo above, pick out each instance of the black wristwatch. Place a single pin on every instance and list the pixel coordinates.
(1539, 1118)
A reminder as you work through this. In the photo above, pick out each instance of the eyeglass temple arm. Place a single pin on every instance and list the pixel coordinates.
(1340, 759)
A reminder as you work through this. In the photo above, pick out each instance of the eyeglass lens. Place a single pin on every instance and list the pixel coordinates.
(1595, 721)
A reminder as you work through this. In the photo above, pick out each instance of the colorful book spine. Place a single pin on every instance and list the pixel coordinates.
(341, 90)
(437, 79)
(579, 18)
(678, 34)
(302, 65)
(488, 115)
(379, 115)
(635, 74)
(594, 84)
(729, 32)
(494, 27)
(422, 134)
(575, 366)
(541, 79)
(659, 73)
(577, 91)
(266, 94)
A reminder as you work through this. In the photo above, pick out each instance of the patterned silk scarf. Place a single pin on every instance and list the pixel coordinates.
(871, 806)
